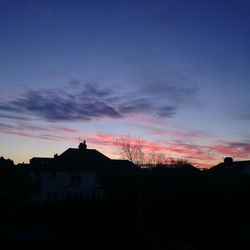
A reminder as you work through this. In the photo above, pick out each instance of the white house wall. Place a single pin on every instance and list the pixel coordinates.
(62, 187)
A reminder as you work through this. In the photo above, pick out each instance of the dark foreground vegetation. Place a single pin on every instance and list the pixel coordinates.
(163, 208)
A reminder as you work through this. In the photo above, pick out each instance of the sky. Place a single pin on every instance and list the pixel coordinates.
(174, 73)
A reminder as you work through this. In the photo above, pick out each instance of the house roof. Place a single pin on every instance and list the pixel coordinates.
(79, 159)
(83, 155)
(41, 160)
(236, 166)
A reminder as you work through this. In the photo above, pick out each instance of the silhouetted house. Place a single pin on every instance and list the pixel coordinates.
(77, 174)
(233, 166)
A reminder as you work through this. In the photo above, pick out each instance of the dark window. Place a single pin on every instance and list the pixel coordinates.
(83, 196)
(52, 196)
(97, 193)
(52, 176)
(75, 196)
(69, 197)
(75, 177)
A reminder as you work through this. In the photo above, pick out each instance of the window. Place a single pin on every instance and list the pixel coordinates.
(75, 177)
(51, 196)
(52, 177)
(68, 197)
(75, 196)
(97, 193)
(83, 196)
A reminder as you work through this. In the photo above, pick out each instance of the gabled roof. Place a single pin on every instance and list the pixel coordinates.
(82, 155)
(236, 166)
(81, 159)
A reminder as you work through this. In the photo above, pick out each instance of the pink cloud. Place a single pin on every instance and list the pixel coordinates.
(200, 155)
(155, 131)
(234, 149)
(145, 119)
(64, 130)
(28, 135)
(24, 129)
(197, 154)
(188, 133)
(203, 156)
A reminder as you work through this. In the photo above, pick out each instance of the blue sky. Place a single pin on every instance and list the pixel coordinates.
(174, 73)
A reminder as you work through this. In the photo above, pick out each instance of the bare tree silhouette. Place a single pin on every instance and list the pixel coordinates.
(130, 148)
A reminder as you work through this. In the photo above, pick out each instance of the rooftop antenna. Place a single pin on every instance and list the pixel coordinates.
(80, 140)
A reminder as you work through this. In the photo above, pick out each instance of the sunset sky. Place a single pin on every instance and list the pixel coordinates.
(173, 72)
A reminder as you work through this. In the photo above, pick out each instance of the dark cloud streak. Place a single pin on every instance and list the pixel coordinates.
(5, 126)
(60, 105)
(85, 102)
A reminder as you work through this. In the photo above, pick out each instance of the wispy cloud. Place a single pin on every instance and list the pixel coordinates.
(176, 133)
(7, 116)
(5, 126)
(29, 135)
(189, 133)
(174, 93)
(51, 133)
(58, 105)
(234, 149)
(85, 101)
(52, 129)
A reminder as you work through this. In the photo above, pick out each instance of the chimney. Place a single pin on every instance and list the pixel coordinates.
(228, 160)
(82, 146)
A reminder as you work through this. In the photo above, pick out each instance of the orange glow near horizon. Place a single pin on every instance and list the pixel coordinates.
(199, 155)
